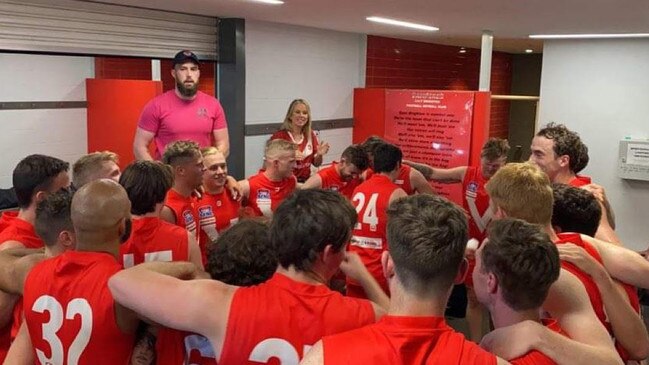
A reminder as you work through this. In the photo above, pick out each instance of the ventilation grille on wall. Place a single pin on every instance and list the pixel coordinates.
(79, 27)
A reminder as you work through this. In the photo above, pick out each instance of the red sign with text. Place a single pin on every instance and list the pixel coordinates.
(431, 127)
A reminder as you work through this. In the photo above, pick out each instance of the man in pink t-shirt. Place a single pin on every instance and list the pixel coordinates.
(181, 114)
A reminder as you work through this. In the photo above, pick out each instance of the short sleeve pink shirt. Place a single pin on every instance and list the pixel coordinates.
(171, 119)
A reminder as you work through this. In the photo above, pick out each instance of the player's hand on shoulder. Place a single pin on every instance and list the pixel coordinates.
(512, 341)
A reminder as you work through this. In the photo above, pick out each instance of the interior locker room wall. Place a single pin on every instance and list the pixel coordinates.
(599, 89)
(285, 62)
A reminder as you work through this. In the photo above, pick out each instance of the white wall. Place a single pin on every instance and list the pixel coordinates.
(600, 88)
(57, 132)
(285, 62)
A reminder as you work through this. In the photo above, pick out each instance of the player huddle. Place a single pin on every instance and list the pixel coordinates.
(175, 262)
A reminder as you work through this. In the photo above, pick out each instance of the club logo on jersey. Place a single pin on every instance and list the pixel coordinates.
(218, 203)
(263, 194)
(188, 216)
(202, 112)
(205, 212)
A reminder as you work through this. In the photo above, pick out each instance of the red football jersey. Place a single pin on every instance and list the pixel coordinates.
(476, 202)
(153, 239)
(183, 348)
(216, 213)
(185, 211)
(13, 228)
(331, 180)
(580, 180)
(402, 181)
(283, 318)
(71, 320)
(265, 195)
(404, 340)
(535, 357)
(308, 147)
(591, 287)
(371, 199)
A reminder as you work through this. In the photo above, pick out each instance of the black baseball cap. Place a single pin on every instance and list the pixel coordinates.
(185, 56)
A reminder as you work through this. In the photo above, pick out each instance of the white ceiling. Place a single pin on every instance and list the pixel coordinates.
(461, 21)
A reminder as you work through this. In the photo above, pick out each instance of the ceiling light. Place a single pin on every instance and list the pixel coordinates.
(272, 2)
(589, 36)
(529, 50)
(401, 23)
(462, 50)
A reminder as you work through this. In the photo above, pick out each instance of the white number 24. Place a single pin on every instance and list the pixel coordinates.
(369, 216)
(76, 307)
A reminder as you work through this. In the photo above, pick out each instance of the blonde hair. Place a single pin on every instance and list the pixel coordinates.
(88, 165)
(286, 125)
(277, 146)
(209, 151)
(179, 151)
(522, 191)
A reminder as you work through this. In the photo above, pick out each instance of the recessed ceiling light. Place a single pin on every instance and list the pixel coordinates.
(402, 23)
(462, 50)
(272, 2)
(529, 50)
(589, 36)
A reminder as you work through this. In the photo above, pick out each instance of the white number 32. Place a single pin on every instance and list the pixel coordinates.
(76, 307)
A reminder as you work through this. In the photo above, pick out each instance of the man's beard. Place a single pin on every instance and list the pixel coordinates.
(186, 91)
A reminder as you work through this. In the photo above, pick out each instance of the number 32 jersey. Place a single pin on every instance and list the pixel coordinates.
(70, 312)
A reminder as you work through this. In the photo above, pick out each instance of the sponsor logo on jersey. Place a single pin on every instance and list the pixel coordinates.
(205, 212)
(398, 182)
(263, 194)
(188, 216)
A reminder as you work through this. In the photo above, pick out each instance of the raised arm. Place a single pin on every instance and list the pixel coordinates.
(199, 306)
(621, 263)
(314, 182)
(568, 302)
(419, 183)
(517, 340)
(628, 327)
(141, 144)
(15, 264)
(446, 176)
(354, 268)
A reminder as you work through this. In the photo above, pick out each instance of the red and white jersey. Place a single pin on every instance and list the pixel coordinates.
(183, 348)
(402, 180)
(184, 209)
(331, 180)
(580, 180)
(266, 195)
(153, 239)
(308, 147)
(216, 213)
(404, 340)
(476, 202)
(71, 320)
(371, 200)
(13, 228)
(293, 316)
(535, 357)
